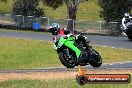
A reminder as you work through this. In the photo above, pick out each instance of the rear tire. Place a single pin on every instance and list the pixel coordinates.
(95, 59)
(64, 62)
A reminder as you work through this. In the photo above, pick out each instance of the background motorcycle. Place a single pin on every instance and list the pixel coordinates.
(129, 30)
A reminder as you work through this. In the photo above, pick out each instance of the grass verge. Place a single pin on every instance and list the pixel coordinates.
(110, 55)
(26, 53)
(67, 83)
(23, 31)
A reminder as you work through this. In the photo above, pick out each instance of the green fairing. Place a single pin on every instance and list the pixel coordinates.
(70, 44)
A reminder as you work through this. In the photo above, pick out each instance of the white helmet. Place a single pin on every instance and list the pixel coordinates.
(127, 15)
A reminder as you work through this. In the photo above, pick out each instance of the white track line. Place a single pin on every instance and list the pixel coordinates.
(117, 63)
(112, 47)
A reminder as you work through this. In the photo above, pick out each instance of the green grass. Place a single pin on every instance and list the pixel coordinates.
(26, 53)
(23, 31)
(68, 83)
(110, 55)
(6, 7)
(87, 11)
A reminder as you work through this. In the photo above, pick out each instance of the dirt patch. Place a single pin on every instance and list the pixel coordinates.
(100, 31)
(88, 30)
(36, 76)
(92, 31)
(109, 71)
(7, 22)
(55, 75)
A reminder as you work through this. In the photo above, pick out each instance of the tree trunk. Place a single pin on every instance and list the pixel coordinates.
(71, 13)
(71, 19)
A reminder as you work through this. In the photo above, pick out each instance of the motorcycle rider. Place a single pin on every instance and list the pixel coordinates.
(55, 30)
(125, 20)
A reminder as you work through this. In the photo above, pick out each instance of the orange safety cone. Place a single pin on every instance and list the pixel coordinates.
(80, 78)
(81, 72)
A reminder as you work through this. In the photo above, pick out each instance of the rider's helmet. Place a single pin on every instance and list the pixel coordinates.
(126, 15)
(54, 28)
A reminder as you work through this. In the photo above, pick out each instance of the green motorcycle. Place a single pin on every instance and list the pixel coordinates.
(69, 49)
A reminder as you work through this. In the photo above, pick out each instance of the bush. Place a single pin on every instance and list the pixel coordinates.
(26, 8)
(113, 10)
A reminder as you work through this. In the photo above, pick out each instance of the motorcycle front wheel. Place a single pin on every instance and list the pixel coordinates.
(67, 62)
(129, 37)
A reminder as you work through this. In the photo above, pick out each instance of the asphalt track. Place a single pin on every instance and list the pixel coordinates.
(107, 67)
(111, 41)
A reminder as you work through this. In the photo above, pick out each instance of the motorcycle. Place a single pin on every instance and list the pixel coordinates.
(68, 57)
(129, 30)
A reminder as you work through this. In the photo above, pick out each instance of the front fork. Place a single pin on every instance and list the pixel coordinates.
(88, 47)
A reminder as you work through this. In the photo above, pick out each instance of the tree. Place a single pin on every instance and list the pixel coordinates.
(27, 8)
(72, 8)
(3, 0)
(113, 10)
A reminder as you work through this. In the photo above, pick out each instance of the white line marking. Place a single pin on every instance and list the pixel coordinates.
(112, 47)
(117, 63)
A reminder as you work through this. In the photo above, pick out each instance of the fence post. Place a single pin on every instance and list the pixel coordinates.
(23, 23)
(100, 26)
(0, 17)
(48, 23)
(18, 24)
(30, 18)
(73, 25)
(45, 19)
(69, 24)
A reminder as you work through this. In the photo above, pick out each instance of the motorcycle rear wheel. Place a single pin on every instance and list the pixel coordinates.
(95, 59)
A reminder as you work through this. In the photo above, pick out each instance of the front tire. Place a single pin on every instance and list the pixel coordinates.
(95, 59)
(129, 37)
(129, 34)
(65, 62)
